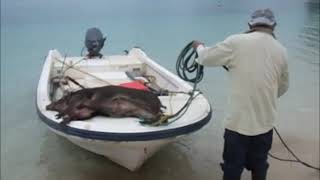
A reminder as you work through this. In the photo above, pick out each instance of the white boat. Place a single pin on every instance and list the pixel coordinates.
(123, 140)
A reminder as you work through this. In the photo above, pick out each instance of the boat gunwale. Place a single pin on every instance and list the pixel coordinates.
(140, 136)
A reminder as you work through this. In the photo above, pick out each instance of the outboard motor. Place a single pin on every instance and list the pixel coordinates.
(94, 42)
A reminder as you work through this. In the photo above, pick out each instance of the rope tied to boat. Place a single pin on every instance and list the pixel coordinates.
(164, 118)
(186, 65)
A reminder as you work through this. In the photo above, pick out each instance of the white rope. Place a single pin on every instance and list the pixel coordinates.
(84, 72)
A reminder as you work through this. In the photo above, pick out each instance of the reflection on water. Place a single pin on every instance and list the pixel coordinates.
(64, 160)
(309, 34)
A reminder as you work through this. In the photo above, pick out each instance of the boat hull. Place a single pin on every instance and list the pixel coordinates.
(129, 154)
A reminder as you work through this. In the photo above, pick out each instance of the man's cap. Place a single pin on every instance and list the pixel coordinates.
(262, 17)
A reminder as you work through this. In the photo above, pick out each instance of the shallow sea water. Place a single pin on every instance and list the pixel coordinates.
(30, 151)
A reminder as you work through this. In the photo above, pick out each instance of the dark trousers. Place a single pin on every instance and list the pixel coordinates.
(250, 152)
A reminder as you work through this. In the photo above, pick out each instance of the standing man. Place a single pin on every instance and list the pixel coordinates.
(259, 76)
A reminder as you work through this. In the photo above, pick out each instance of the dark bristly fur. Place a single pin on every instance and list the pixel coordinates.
(112, 101)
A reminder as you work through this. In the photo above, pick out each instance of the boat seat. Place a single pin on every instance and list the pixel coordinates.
(101, 79)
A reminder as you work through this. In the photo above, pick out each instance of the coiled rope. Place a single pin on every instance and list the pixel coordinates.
(186, 66)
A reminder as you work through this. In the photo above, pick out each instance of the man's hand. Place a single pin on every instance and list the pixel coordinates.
(196, 43)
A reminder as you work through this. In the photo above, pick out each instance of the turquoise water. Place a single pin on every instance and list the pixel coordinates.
(29, 29)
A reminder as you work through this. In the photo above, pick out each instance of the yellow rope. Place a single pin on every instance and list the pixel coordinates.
(164, 117)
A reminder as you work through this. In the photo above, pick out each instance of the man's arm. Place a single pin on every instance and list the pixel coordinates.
(284, 81)
(219, 55)
(284, 78)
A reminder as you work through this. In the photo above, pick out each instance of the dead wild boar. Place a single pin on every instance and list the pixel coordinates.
(112, 101)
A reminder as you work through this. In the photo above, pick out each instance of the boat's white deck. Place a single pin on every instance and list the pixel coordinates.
(111, 70)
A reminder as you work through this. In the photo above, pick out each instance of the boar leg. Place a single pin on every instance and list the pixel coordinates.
(77, 114)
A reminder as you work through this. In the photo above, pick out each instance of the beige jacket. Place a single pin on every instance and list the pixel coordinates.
(259, 75)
